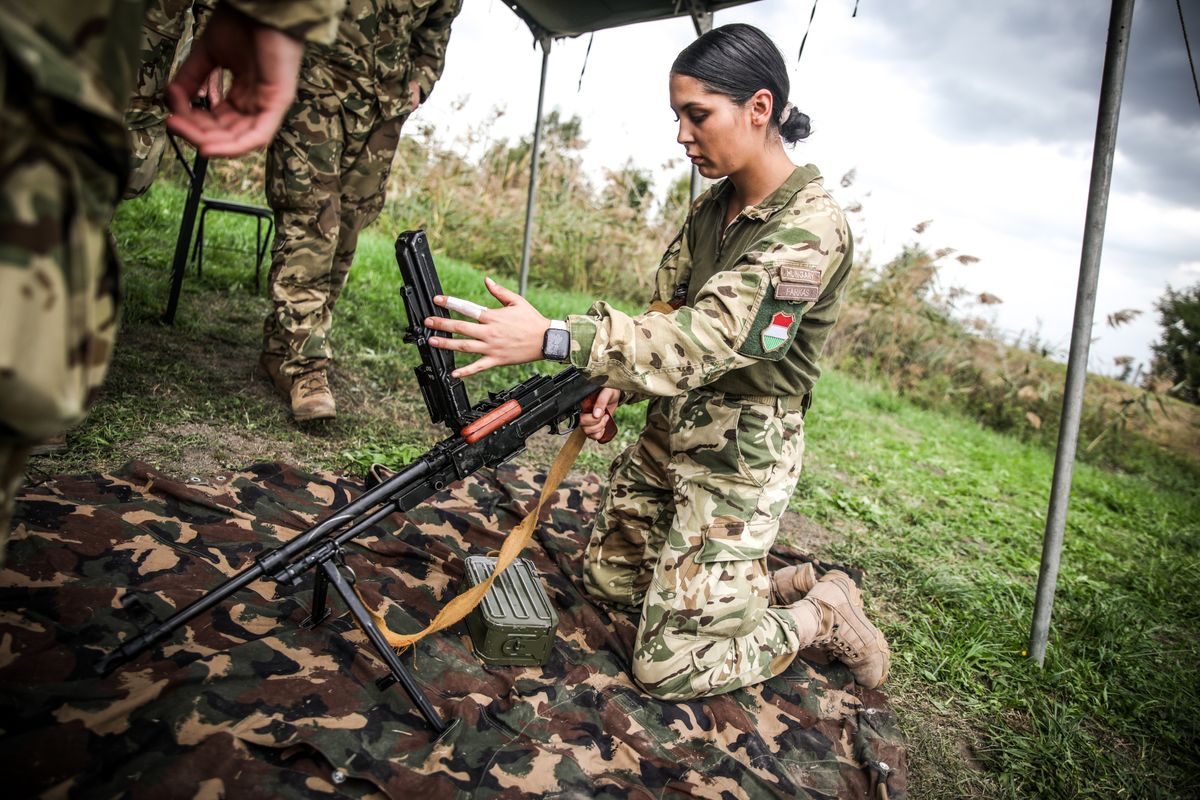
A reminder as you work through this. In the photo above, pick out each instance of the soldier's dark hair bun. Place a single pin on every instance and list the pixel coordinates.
(737, 60)
(796, 127)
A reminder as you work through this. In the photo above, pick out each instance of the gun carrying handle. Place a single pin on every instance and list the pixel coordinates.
(497, 417)
(610, 430)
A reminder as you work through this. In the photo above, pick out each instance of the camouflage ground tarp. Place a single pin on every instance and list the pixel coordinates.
(246, 703)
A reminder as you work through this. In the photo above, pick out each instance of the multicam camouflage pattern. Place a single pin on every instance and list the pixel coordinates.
(315, 21)
(166, 39)
(729, 278)
(12, 473)
(244, 702)
(66, 71)
(58, 269)
(328, 166)
(381, 47)
(690, 513)
(694, 505)
(327, 172)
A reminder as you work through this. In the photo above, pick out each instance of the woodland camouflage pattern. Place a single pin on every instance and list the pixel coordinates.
(245, 703)
(66, 72)
(693, 507)
(328, 166)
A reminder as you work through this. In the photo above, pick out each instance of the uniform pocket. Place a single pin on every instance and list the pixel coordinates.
(760, 442)
(736, 541)
(737, 586)
(705, 436)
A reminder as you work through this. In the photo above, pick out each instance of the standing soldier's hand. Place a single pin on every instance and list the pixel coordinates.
(213, 89)
(264, 62)
(414, 90)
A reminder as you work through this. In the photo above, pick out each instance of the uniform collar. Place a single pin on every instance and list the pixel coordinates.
(800, 177)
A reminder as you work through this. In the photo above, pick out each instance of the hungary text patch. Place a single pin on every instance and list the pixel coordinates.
(800, 275)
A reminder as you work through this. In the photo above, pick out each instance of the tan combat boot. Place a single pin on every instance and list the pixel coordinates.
(272, 367)
(311, 398)
(832, 616)
(790, 584)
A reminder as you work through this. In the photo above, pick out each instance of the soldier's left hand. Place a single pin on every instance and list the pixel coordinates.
(414, 91)
(511, 334)
(264, 62)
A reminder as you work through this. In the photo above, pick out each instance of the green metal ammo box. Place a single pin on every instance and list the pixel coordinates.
(514, 624)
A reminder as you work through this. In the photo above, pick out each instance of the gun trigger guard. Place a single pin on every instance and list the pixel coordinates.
(561, 427)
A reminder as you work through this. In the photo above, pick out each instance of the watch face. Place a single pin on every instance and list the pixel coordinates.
(556, 344)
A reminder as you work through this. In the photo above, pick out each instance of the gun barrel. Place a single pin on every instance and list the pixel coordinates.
(278, 563)
(162, 630)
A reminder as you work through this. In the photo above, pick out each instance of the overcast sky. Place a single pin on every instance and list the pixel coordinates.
(978, 115)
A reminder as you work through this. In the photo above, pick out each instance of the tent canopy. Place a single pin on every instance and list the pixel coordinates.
(559, 18)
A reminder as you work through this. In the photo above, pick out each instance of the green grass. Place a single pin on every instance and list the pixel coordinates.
(198, 375)
(947, 518)
(944, 515)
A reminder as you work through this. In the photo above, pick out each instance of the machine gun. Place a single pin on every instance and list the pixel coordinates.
(484, 435)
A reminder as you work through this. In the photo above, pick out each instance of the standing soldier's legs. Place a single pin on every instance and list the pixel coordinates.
(635, 513)
(366, 165)
(706, 624)
(58, 273)
(303, 189)
(167, 24)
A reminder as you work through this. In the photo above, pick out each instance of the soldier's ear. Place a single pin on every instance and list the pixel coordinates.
(760, 105)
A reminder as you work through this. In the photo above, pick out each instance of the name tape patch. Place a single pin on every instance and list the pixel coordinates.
(797, 291)
(799, 275)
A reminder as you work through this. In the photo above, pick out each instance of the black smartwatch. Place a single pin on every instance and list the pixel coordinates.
(556, 345)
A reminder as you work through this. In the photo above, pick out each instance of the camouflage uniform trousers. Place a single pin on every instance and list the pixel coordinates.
(690, 511)
(166, 39)
(327, 172)
(12, 474)
(59, 286)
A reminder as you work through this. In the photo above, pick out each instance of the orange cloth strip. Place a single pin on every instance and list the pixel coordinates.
(460, 606)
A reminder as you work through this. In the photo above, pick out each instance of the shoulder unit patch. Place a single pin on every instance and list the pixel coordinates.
(778, 332)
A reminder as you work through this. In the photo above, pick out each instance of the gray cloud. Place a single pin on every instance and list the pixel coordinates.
(1030, 69)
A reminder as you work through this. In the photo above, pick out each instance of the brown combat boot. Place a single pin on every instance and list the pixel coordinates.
(790, 584)
(272, 367)
(311, 398)
(832, 616)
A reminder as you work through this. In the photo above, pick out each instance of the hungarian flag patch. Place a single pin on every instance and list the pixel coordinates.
(778, 333)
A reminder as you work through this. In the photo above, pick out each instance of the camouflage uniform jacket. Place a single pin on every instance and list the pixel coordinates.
(759, 300)
(85, 52)
(381, 46)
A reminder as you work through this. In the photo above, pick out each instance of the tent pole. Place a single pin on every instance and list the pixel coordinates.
(703, 20)
(1081, 333)
(545, 41)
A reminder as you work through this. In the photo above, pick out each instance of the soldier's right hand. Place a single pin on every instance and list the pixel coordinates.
(264, 62)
